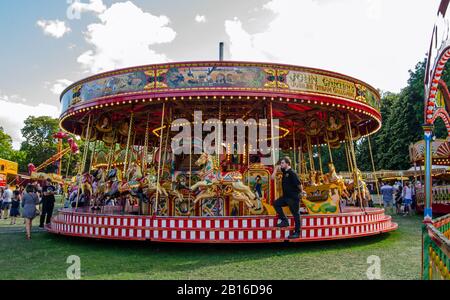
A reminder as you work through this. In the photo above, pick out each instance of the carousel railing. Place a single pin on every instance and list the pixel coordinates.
(441, 194)
(436, 249)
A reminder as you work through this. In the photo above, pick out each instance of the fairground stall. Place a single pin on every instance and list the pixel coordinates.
(8, 172)
(147, 172)
(440, 188)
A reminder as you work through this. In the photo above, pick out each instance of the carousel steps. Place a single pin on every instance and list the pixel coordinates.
(246, 229)
(162, 227)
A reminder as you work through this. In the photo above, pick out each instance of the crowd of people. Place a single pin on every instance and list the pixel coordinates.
(399, 197)
(29, 201)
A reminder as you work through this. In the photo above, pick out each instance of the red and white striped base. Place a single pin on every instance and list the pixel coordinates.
(246, 229)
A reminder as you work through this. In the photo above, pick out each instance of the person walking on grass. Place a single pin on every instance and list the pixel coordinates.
(291, 196)
(29, 202)
(7, 196)
(407, 199)
(15, 204)
(386, 192)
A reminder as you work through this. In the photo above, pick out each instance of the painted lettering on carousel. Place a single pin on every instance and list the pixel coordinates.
(302, 81)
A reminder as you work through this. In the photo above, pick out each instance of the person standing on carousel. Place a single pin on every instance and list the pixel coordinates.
(291, 196)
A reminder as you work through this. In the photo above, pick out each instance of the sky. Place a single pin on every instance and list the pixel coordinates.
(46, 45)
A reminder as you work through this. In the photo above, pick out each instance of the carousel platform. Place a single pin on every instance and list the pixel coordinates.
(111, 224)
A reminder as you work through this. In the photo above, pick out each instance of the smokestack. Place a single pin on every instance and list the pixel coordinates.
(221, 51)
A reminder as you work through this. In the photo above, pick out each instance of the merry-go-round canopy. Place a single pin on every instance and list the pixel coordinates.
(310, 102)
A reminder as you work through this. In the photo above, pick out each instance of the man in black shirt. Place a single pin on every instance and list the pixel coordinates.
(291, 196)
(48, 202)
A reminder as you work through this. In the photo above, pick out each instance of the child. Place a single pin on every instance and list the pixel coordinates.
(15, 204)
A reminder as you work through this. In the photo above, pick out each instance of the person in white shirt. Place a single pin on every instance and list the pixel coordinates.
(7, 199)
(407, 198)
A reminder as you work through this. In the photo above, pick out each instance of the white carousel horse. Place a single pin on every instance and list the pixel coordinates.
(211, 177)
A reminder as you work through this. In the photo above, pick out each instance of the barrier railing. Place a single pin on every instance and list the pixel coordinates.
(441, 194)
(436, 249)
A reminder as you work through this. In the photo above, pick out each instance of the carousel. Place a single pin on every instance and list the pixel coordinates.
(440, 175)
(161, 163)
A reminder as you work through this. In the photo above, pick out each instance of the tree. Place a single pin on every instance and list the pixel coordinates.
(39, 144)
(6, 148)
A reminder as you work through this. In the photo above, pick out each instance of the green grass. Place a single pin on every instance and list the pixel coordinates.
(44, 257)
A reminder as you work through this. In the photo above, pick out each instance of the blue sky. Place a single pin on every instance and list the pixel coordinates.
(44, 48)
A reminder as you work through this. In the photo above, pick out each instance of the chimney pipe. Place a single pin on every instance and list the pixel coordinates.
(221, 51)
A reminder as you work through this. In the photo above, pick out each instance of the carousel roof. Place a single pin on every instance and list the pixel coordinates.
(309, 102)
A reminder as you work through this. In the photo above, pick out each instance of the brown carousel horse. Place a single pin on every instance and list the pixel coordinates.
(211, 177)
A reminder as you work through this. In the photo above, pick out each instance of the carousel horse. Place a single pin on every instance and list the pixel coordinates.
(211, 177)
(361, 190)
(86, 186)
(333, 177)
(313, 178)
(113, 180)
(149, 184)
(100, 184)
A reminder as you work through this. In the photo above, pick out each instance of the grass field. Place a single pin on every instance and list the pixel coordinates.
(44, 257)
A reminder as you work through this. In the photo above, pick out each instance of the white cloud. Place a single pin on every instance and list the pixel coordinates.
(242, 44)
(54, 28)
(124, 37)
(200, 19)
(13, 115)
(375, 41)
(59, 86)
(77, 8)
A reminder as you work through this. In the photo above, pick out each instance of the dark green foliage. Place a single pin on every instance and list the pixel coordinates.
(403, 116)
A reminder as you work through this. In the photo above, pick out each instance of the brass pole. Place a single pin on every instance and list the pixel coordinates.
(92, 155)
(272, 146)
(312, 166)
(319, 152)
(329, 147)
(68, 164)
(294, 147)
(159, 158)
(144, 158)
(353, 157)
(166, 141)
(111, 153)
(373, 164)
(190, 172)
(347, 156)
(83, 162)
(125, 167)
